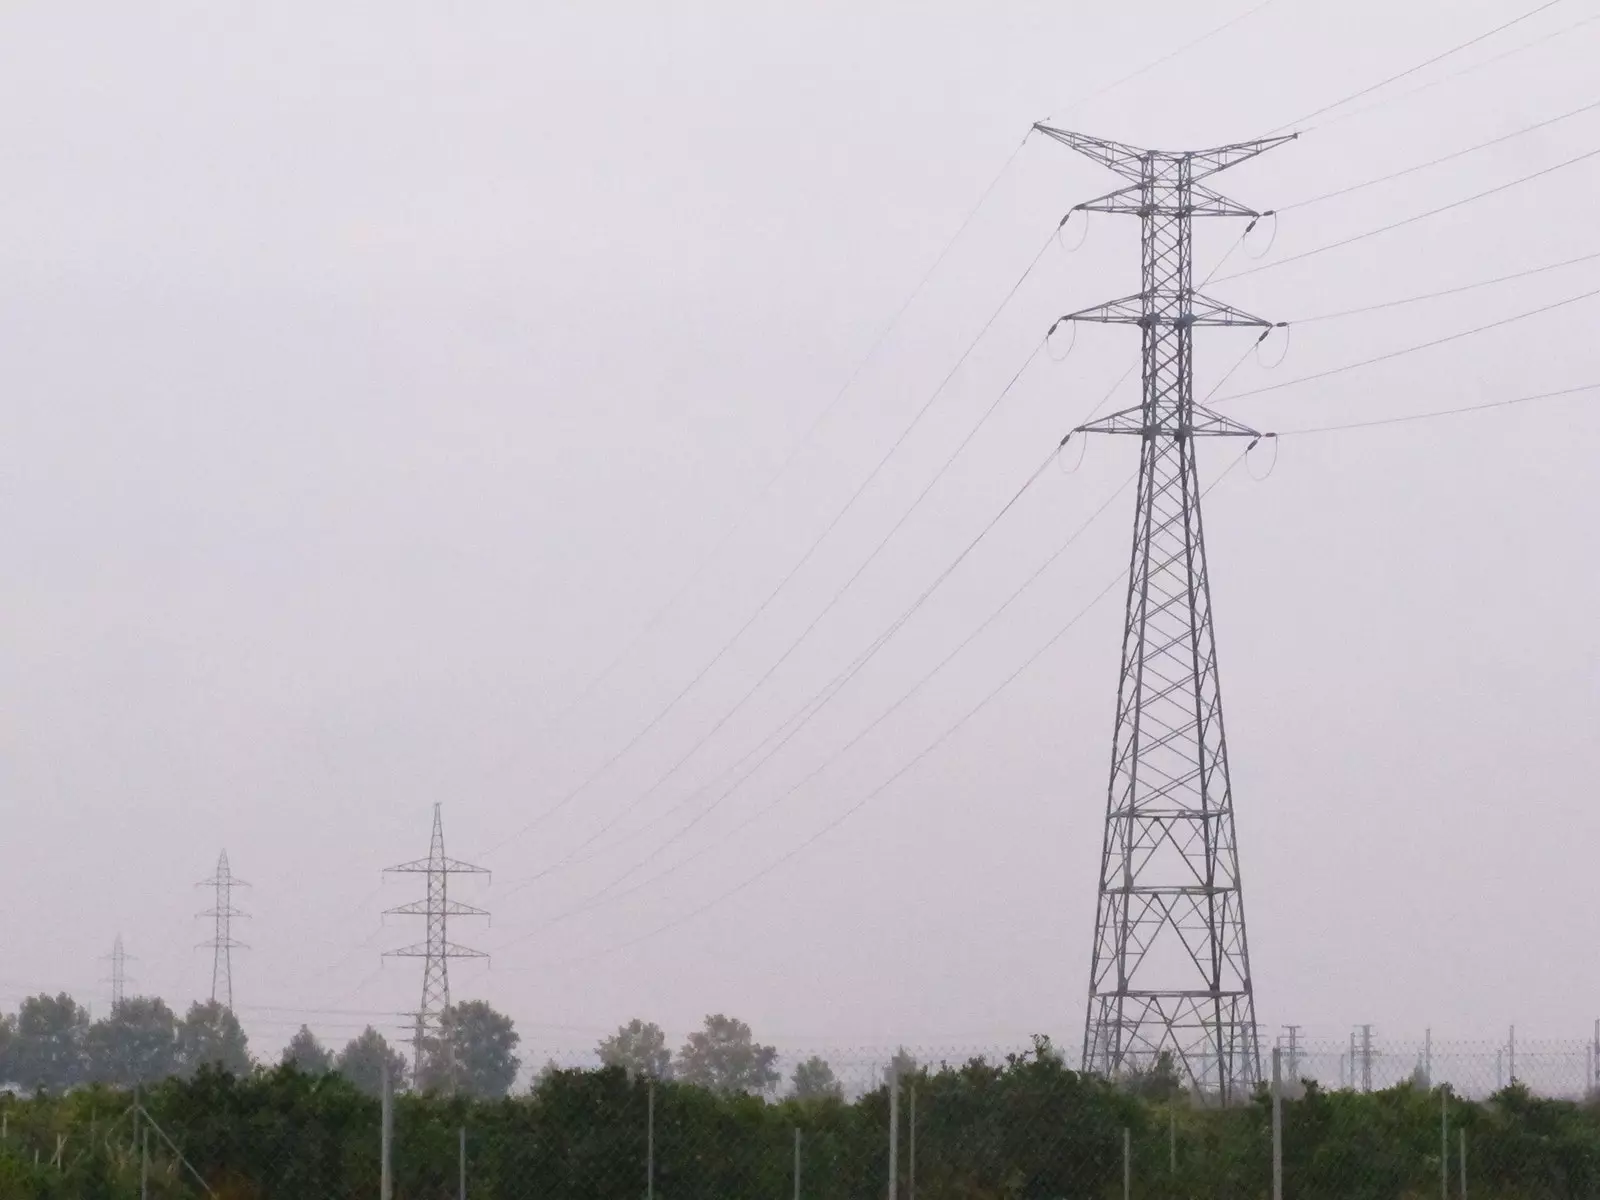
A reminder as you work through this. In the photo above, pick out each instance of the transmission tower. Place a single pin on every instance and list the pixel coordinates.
(223, 914)
(1170, 973)
(437, 951)
(119, 973)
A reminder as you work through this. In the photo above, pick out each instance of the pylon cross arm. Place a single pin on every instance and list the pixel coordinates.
(1168, 310)
(426, 908)
(1134, 201)
(425, 866)
(1202, 423)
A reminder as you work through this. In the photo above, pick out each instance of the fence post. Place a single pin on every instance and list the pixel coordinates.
(894, 1128)
(911, 1144)
(1277, 1123)
(1127, 1164)
(1444, 1143)
(797, 1163)
(1463, 1137)
(461, 1158)
(650, 1142)
(386, 1135)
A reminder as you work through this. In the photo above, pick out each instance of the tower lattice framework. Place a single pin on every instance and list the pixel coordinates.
(118, 958)
(1169, 978)
(436, 952)
(223, 914)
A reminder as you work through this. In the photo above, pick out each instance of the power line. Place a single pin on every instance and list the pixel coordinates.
(805, 439)
(838, 595)
(1401, 174)
(949, 731)
(596, 898)
(1466, 70)
(1441, 412)
(1428, 345)
(1412, 220)
(1395, 78)
(790, 727)
(811, 550)
(1165, 58)
(1451, 291)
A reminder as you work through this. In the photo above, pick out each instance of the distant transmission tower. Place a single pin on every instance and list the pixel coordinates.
(119, 973)
(438, 950)
(223, 913)
(1170, 972)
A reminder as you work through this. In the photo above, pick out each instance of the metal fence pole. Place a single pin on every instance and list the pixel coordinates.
(1127, 1164)
(911, 1145)
(1463, 1137)
(650, 1142)
(894, 1128)
(1277, 1123)
(1444, 1143)
(386, 1135)
(461, 1159)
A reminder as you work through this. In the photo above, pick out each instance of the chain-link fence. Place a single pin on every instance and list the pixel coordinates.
(941, 1125)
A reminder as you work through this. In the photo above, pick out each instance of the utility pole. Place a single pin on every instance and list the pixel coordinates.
(1294, 1053)
(1170, 970)
(436, 951)
(119, 973)
(1366, 1058)
(223, 914)
(894, 1128)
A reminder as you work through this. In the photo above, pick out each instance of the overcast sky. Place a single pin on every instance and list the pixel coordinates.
(372, 374)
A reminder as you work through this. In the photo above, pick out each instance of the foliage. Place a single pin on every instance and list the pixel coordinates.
(307, 1054)
(210, 1035)
(362, 1061)
(136, 1043)
(639, 1048)
(1025, 1127)
(478, 1057)
(814, 1080)
(48, 1048)
(725, 1057)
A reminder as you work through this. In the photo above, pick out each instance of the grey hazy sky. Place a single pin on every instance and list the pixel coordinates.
(372, 373)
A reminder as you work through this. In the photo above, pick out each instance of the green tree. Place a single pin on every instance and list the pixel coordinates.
(639, 1048)
(306, 1054)
(210, 1035)
(8, 1036)
(725, 1057)
(1160, 1080)
(476, 1054)
(362, 1060)
(814, 1080)
(47, 1049)
(137, 1043)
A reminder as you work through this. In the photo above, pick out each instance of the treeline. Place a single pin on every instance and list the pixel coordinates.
(1026, 1127)
(50, 1044)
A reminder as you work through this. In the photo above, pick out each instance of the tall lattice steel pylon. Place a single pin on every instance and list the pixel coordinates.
(222, 943)
(1170, 972)
(119, 973)
(437, 951)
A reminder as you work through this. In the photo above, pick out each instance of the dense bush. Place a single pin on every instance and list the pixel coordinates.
(1026, 1127)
